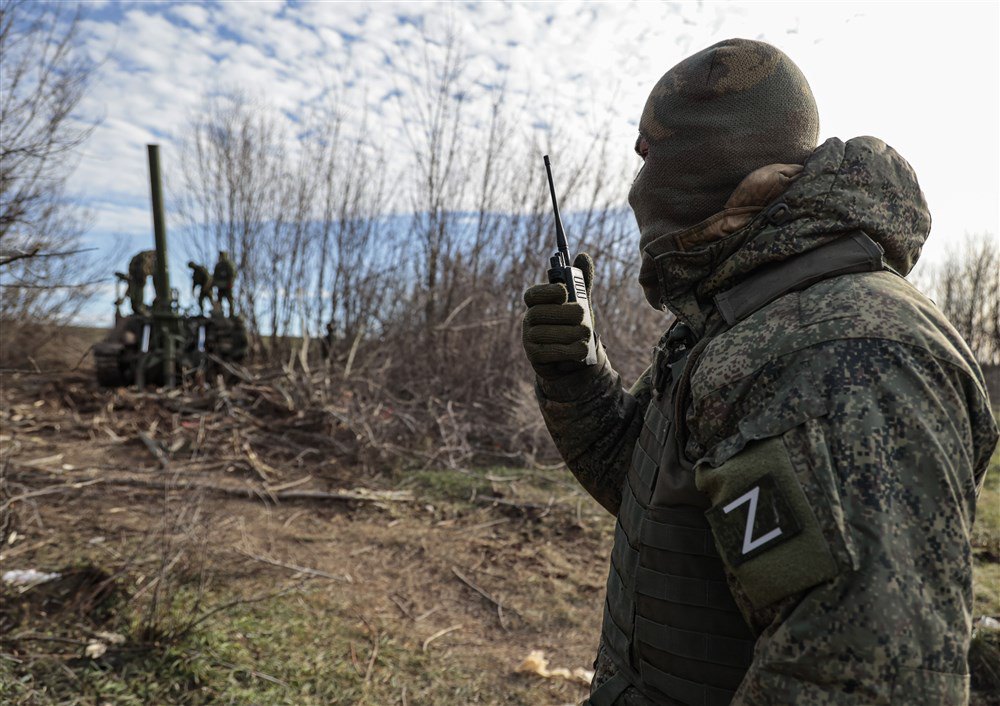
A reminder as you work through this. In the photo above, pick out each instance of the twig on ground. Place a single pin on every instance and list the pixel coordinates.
(48, 491)
(494, 500)
(482, 592)
(439, 633)
(154, 448)
(346, 578)
(195, 622)
(245, 493)
(399, 604)
(427, 614)
(354, 660)
(290, 484)
(371, 660)
(30, 637)
(251, 672)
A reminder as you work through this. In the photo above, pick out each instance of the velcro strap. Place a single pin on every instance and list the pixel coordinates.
(656, 422)
(855, 252)
(715, 649)
(683, 590)
(642, 470)
(682, 540)
(617, 640)
(630, 515)
(687, 692)
(608, 692)
(623, 557)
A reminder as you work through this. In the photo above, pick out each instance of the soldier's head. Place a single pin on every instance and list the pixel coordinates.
(192, 264)
(711, 120)
(223, 255)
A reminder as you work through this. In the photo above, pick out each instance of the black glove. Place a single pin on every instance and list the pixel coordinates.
(552, 332)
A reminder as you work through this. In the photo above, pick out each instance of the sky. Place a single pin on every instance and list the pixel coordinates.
(922, 76)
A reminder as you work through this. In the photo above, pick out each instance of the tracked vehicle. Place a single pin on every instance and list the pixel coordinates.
(162, 345)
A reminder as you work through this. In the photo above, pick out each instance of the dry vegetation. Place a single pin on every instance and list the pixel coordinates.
(212, 567)
(253, 543)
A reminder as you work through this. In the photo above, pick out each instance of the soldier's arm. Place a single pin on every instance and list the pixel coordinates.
(594, 423)
(855, 566)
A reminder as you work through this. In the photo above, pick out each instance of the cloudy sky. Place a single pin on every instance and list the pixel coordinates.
(921, 76)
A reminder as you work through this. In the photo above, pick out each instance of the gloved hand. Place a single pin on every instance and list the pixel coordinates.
(552, 331)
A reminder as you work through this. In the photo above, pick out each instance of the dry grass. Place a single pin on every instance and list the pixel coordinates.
(430, 587)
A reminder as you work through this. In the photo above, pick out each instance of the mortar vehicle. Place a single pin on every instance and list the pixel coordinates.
(133, 351)
(159, 345)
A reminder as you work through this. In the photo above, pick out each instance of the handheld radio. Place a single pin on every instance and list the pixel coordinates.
(562, 271)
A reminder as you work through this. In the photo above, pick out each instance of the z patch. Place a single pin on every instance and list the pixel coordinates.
(764, 526)
(753, 521)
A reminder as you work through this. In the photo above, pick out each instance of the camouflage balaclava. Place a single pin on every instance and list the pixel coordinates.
(711, 120)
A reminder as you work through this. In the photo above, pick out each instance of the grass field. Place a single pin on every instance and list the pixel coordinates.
(986, 544)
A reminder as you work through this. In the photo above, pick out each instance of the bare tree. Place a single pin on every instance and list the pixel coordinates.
(966, 287)
(433, 104)
(46, 276)
(357, 245)
(231, 166)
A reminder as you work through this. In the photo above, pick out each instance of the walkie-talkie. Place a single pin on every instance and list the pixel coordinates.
(562, 271)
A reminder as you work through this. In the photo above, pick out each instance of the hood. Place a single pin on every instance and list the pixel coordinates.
(711, 120)
(862, 184)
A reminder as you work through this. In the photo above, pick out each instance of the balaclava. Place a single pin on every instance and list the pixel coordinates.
(711, 120)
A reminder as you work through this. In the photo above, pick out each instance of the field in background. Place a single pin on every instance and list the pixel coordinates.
(203, 563)
(425, 587)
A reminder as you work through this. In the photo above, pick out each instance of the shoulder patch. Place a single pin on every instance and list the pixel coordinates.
(764, 527)
(755, 521)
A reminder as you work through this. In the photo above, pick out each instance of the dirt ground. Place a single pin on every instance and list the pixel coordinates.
(200, 564)
(432, 588)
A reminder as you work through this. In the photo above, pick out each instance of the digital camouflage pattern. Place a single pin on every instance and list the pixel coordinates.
(878, 405)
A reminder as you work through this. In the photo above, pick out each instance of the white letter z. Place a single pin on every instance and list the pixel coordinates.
(749, 543)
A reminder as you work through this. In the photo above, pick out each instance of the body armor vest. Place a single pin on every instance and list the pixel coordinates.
(670, 621)
(671, 624)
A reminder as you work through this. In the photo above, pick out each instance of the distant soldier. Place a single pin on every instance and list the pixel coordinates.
(222, 279)
(119, 296)
(139, 268)
(201, 280)
(326, 343)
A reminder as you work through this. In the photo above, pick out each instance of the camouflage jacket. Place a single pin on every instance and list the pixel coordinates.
(860, 387)
(200, 277)
(224, 273)
(142, 265)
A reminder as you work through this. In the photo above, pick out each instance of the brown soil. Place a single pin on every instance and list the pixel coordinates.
(413, 568)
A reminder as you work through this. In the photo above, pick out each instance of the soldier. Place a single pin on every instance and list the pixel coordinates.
(201, 280)
(120, 297)
(795, 475)
(140, 267)
(222, 278)
(326, 343)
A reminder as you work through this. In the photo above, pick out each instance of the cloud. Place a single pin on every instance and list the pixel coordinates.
(584, 68)
(194, 15)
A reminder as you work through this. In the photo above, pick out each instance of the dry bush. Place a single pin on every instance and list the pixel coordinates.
(419, 315)
(46, 277)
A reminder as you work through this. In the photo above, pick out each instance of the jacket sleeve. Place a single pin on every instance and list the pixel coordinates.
(594, 423)
(890, 468)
